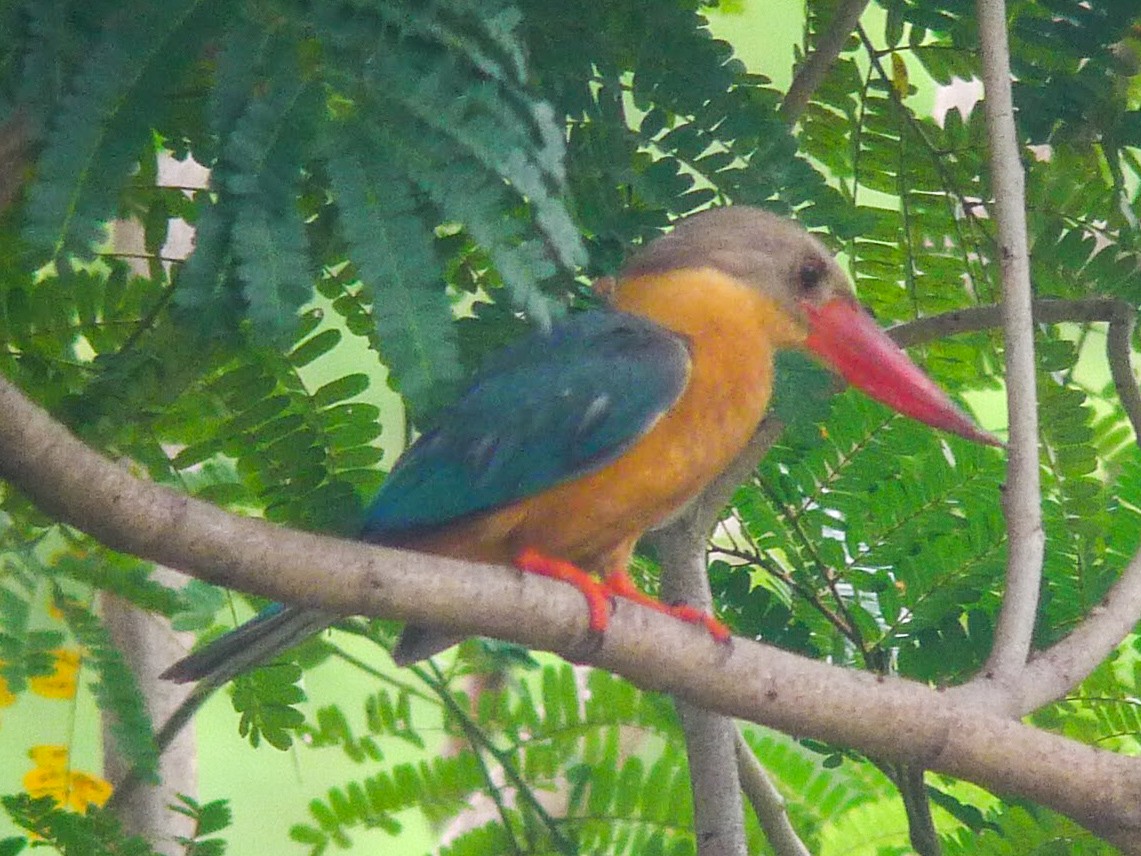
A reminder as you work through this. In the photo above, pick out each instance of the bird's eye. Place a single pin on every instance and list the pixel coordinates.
(810, 273)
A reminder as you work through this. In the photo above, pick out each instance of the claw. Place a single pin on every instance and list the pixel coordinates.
(617, 584)
(620, 585)
(597, 595)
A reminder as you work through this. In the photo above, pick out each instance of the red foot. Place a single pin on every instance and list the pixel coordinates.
(597, 595)
(616, 584)
(619, 584)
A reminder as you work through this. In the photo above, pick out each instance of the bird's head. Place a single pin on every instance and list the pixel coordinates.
(792, 267)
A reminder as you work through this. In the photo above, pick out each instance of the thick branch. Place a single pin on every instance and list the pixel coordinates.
(815, 68)
(1023, 495)
(889, 718)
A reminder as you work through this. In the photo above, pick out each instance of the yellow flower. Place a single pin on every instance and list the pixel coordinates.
(62, 681)
(88, 790)
(42, 782)
(52, 778)
(6, 696)
(49, 756)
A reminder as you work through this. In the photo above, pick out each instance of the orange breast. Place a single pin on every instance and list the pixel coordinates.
(732, 330)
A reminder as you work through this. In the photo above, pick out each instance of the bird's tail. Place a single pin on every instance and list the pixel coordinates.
(274, 630)
(420, 643)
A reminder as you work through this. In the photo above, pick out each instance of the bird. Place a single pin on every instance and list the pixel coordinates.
(572, 442)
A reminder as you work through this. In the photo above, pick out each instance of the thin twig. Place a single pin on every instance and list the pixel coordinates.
(815, 68)
(827, 575)
(124, 789)
(478, 739)
(767, 802)
(909, 781)
(1119, 341)
(953, 195)
(1119, 352)
(841, 625)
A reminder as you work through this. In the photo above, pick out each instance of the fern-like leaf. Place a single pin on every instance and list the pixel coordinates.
(391, 247)
(116, 690)
(105, 122)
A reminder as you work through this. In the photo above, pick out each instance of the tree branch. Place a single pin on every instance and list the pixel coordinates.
(710, 737)
(1052, 673)
(719, 824)
(1119, 351)
(815, 68)
(1023, 495)
(767, 802)
(148, 646)
(909, 780)
(1117, 313)
(684, 577)
(885, 717)
(15, 152)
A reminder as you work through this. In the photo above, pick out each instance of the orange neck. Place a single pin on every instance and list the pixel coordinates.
(710, 308)
(733, 331)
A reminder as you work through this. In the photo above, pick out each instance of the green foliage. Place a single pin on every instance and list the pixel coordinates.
(123, 576)
(538, 730)
(116, 690)
(266, 698)
(25, 649)
(208, 819)
(396, 189)
(1023, 829)
(96, 832)
(910, 568)
(104, 122)
(383, 222)
(817, 790)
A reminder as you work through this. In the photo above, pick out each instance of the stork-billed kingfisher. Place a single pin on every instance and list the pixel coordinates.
(571, 443)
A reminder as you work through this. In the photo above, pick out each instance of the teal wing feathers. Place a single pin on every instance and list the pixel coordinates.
(550, 408)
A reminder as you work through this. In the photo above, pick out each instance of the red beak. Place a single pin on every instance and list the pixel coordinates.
(848, 339)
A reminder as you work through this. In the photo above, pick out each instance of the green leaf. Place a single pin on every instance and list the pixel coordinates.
(340, 389)
(116, 690)
(96, 832)
(392, 247)
(266, 699)
(272, 263)
(104, 123)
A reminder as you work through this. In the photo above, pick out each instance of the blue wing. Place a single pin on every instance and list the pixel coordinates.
(545, 410)
(548, 408)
